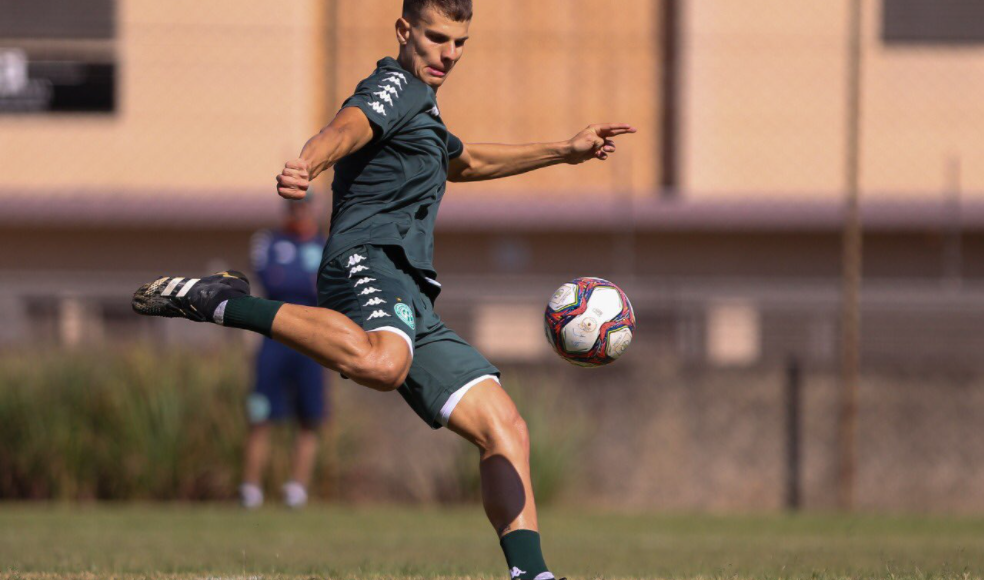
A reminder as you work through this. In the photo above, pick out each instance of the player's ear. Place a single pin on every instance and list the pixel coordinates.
(402, 31)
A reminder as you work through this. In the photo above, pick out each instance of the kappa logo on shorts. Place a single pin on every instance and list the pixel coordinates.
(374, 302)
(377, 314)
(369, 290)
(362, 281)
(405, 314)
(355, 259)
(356, 270)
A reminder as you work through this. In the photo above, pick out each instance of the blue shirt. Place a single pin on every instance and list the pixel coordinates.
(287, 267)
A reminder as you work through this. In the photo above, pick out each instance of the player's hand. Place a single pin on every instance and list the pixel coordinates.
(294, 180)
(595, 142)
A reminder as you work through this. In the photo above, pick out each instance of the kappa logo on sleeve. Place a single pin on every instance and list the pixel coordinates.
(389, 89)
(405, 314)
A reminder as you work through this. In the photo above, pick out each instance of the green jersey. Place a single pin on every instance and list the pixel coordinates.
(388, 192)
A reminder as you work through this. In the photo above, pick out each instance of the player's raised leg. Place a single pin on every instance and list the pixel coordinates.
(487, 417)
(378, 360)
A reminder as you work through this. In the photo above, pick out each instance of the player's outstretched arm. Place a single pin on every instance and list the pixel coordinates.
(481, 161)
(348, 132)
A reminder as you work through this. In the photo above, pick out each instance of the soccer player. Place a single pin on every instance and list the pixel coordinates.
(375, 322)
(287, 383)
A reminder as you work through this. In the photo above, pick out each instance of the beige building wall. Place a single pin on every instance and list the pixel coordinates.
(764, 93)
(215, 97)
(212, 97)
(536, 71)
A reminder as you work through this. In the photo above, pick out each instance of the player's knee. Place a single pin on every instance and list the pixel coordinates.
(390, 374)
(507, 430)
(382, 370)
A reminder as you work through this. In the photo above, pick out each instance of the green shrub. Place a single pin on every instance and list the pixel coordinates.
(121, 425)
(131, 424)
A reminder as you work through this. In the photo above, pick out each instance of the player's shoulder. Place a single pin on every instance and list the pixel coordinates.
(393, 79)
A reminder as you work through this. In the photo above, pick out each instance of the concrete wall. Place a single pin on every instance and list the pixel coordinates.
(764, 95)
(214, 98)
(211, 98)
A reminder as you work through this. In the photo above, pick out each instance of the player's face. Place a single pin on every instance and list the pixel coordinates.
(431, 45)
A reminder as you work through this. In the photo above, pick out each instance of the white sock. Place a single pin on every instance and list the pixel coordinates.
(295, 495)
(219, 315)
(250, 496)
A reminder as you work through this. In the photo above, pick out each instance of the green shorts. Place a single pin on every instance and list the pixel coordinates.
(377, 288)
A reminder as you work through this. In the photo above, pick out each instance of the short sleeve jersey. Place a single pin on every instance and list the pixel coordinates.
(388, 192)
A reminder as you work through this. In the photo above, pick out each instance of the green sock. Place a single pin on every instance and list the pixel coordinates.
(523, 555)
(251, 313)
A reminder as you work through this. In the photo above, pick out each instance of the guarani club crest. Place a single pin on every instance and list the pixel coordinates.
(406, 314)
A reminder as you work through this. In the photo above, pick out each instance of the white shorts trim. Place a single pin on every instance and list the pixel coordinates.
(396, 330)
(456, 396)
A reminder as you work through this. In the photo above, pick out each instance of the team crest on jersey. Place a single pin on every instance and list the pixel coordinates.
(405, 314)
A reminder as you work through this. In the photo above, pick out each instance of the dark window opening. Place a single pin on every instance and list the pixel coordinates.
(947, 22)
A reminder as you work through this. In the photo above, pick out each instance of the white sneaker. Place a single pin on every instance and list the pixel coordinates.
(295, 496)
(250, 496)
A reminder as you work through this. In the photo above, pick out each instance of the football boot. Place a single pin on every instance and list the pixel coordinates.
(192, 298)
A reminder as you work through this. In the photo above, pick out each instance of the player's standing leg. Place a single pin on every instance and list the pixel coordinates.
(487, 417)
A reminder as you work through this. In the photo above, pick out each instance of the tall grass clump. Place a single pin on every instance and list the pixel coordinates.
(121, 425)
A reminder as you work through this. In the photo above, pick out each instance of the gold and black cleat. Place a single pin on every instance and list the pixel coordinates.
(192, 298)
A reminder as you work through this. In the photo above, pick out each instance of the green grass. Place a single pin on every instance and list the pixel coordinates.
(59, 541)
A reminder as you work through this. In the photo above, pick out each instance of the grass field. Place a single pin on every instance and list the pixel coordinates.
(220, 541)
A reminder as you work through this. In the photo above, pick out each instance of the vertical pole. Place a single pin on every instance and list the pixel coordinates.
(331, 48)
(669, 108)
(852, 261)
(953, 260)
(793, 390)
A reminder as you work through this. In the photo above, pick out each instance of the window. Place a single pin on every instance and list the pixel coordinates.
(57, 56)
(949, 22)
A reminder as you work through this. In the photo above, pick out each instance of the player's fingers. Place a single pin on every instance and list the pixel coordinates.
(292, 181)
(294, 173)
(290, 193)
(613, 130)
(296, 164)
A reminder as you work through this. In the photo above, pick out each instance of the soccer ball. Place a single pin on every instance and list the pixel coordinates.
(589, 322)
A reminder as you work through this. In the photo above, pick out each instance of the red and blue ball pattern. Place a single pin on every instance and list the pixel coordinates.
(572, 306)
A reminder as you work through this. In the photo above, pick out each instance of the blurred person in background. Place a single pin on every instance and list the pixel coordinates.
(375, 321)
(287, 383)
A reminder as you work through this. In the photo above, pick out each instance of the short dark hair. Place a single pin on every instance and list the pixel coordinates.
(457, 10)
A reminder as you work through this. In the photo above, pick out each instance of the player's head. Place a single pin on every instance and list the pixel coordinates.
(432, 35)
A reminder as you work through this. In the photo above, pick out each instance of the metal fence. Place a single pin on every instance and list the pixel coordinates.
(724, 218)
